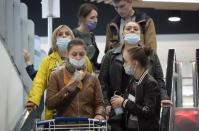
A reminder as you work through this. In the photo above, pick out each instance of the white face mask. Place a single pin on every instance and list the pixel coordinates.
(78, 63)
(129, 71)
(62, 43)
(132, 38)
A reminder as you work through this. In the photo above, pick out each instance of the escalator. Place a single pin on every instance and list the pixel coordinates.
(179, 118)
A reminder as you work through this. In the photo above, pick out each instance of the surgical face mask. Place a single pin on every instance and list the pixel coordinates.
(132, 38)
(62, 43)
(77, 63)
(129, 71)
(91, 25)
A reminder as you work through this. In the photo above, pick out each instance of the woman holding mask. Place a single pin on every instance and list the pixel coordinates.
(141, 101)
(87, 16)
(88, 102)
(62, 35)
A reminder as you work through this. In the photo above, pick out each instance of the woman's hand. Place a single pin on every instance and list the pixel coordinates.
(99, 117)
(71, 86)
(108, 110)
(30, 106)
(166, 103)
(116, 101)
(26, 55)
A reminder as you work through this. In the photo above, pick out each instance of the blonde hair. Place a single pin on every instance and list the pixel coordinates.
(54, 35)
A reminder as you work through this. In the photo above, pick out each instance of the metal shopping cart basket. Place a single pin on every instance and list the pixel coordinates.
(72, 124)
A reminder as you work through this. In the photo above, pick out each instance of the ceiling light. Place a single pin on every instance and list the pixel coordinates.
(175, 1)
(174, 15)
(174, 19)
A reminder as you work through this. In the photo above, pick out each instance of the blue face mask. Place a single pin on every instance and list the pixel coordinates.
(62, 43)
(91, 25)
(129, 71)
(77, 63)
(132, 38)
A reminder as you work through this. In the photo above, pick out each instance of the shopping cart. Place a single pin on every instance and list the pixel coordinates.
(72, 124)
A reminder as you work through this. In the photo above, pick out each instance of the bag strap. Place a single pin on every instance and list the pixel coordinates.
(86, 77)
(72, 96)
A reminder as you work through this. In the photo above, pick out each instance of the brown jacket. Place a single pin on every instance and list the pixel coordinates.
(87, 103)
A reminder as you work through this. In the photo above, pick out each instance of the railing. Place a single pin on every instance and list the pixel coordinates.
(170, 116)
(196, 87)
(166, 112)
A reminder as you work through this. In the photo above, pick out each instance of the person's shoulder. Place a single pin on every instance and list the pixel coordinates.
(75, 32)
(110, 52)
(113, 52)
(57, 73)
(45, 59)
(141, 15)
(154, 56)
(92, 77)
(116, 19)
(52, 57)
(150, 80)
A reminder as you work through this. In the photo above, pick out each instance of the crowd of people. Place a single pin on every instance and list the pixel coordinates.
(130, 88)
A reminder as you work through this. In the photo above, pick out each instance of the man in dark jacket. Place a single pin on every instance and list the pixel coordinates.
(127, 13)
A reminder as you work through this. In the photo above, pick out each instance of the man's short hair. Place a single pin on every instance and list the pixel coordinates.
(116, 1)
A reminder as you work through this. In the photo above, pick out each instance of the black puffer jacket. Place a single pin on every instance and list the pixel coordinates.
(113, 77)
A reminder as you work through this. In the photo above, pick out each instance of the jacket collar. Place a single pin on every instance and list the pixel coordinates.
(142, 77)
(139, 17)
(56, 56)
(118, 50)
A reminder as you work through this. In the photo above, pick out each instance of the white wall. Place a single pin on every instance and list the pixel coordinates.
(11, 94)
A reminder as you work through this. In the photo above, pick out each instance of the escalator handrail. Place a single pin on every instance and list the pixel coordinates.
(164, 126)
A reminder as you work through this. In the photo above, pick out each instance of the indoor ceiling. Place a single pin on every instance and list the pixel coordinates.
(162, 4)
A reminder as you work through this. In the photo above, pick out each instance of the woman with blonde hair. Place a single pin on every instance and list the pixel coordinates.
(62, 35)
